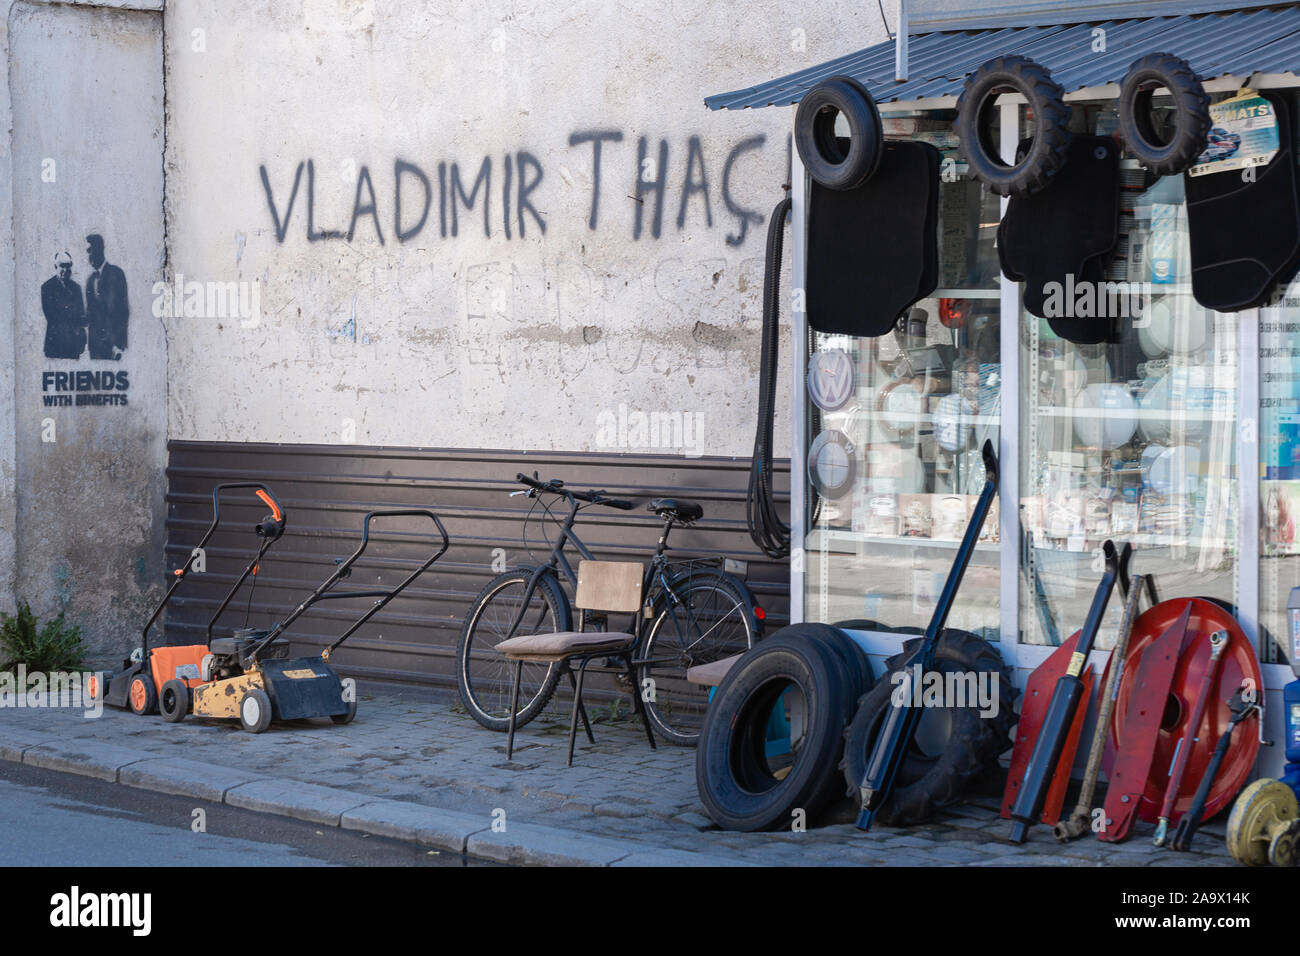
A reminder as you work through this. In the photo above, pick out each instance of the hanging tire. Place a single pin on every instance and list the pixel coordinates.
(1047, 150)
(829, 159)
(954, 747)
(1191, 113)
(174, 701)
(740, 790)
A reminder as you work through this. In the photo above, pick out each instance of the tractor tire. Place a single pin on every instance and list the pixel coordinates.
(1191, 113)
(738, 789)
(1047, 150)
(829, 159)
(174, 701)
(966, 744)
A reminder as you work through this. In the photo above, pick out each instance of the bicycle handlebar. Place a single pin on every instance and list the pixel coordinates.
(556, 487)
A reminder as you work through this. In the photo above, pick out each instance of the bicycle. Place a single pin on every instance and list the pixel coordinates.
(694, 612)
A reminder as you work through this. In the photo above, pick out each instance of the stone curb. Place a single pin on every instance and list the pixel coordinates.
(455, 831)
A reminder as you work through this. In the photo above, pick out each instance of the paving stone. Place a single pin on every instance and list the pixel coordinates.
(524, 843)
(14, 740)
(86, 758)
(669, 857)
(427, 826)
(293, 798)
(191, 778)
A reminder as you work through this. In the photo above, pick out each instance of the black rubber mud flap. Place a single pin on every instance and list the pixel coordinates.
(1064, 234)
(1245, 235)
(873, 251)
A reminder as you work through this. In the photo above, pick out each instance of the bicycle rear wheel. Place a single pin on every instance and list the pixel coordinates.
(483, 676)
(710, 618)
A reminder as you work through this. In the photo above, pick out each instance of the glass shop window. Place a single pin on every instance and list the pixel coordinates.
(897, 423)
(1279, 466)
(1133, 440)
(1279, 447)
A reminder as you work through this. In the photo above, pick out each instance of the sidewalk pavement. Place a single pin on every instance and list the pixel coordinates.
(414, 767)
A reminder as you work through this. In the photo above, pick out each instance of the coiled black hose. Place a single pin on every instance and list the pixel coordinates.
(770, 533)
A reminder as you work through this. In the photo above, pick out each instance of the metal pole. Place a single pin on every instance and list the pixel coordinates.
(900, 43)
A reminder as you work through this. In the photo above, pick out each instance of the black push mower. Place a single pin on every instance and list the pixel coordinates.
(249, 676)
(138, 685)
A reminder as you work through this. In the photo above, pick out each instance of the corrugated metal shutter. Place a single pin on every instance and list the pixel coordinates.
(326, 490)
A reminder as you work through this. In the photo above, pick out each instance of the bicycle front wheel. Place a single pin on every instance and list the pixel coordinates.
(701, 617)
(483, 676)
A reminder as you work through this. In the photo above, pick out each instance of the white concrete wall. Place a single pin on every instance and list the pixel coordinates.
(496, 335)
(81, 485)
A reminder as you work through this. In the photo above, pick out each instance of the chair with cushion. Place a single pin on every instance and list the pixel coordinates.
(603, 586)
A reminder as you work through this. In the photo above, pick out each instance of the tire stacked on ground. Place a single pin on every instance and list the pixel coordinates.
(966, 746)
(736, 784)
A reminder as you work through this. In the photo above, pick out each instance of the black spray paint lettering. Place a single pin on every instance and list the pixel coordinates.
(400, 167)
(746, 216)
(371, 207)
(596, 137)
(526, 186)
(645, 168)
(522, 175)
(694, 156)
(484, 179)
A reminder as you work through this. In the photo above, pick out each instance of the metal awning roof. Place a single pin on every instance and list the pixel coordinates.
(1241, 43)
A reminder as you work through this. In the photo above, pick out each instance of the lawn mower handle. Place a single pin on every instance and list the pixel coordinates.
(277, 516)
(269, 529)
(383, 595)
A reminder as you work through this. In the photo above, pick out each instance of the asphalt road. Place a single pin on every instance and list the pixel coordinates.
(58, 819)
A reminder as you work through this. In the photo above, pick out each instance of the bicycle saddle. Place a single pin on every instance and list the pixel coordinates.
(679, 510)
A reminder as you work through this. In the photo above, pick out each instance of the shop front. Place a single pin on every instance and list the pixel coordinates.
(1179, 434)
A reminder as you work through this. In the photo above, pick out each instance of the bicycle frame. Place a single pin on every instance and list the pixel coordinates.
(558, 561)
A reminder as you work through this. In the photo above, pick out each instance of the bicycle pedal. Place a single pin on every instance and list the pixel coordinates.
(621, 677)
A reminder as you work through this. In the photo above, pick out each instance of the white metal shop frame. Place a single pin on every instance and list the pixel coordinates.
(1025, 657)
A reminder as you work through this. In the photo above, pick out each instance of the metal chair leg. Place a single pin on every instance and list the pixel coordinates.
(573, 718)
(514, 708)
(639, 704)
(582, 709)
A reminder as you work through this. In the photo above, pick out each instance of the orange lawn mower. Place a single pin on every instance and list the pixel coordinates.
(138, 685)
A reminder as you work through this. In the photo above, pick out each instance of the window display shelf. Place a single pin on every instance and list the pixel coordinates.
(1094, 542)
(992, 294)
(857, 538)
(1140, 414)
(928, 418)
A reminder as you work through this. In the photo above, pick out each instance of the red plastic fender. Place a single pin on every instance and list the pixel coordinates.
(1239, 664)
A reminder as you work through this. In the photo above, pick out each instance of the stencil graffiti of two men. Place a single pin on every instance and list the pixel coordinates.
(107, 310)
(65, 312)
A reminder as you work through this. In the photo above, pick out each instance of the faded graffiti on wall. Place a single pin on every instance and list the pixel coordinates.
(452, 197)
